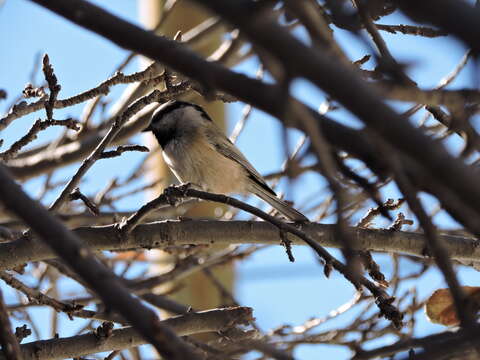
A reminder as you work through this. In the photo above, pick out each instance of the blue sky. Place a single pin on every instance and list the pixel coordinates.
(280, 292)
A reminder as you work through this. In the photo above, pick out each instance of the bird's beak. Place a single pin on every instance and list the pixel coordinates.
(148, 128)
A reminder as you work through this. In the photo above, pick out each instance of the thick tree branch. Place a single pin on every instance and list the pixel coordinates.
(411, 161)
(454, 341)
(168, 233)
(445, 14)
(127, 337)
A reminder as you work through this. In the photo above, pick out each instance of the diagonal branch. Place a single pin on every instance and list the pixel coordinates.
(31, 135)
(102, 280)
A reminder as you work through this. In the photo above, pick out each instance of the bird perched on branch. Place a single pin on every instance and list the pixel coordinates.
(198, 152)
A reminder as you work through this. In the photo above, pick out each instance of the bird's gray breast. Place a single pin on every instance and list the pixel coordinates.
(201, 164)
(179, 160)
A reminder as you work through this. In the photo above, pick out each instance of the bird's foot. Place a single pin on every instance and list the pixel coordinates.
(174, 192)
(183, 188)
(184, 218)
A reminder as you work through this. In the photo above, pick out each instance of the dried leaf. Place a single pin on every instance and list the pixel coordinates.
(130, 255)
(440, 309)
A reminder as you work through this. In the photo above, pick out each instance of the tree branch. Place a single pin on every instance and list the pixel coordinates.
(102, 89)
(127, 337)
(10, 347)
(445, 15)
(102, 280)
(168, 233)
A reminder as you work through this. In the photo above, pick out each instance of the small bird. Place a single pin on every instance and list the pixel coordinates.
(199, 153)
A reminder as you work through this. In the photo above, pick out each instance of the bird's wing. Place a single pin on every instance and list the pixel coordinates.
(225, 147)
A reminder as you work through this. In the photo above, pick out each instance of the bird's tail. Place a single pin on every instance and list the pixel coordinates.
(280, 205)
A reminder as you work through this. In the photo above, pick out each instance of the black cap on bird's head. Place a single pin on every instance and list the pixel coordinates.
(161, 111)
(175, 119)
(169, 107)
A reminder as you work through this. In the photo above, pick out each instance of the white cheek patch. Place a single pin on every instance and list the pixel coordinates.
(168, 161)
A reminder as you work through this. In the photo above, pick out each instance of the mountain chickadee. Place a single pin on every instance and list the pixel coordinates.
(198, 152)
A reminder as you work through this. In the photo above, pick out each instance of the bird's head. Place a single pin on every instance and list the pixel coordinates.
(176, 119)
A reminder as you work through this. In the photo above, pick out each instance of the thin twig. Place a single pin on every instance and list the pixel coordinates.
(9, 342)
(31, 135)
(52, 85)
(77, 195)
(121, 149)
(101, 89)
(36, 296)
(412, 30)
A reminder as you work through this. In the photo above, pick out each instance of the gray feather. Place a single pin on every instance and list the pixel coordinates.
(279, 205)
(259, 187)
(225, 147)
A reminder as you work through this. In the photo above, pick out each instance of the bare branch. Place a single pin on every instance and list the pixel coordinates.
(10, 348)
(445, 15)
(36, 296)
(77, 195)
(412, 30)
(100, 278)
(205, 232)
(102, 89)
(52, 85)
(127, 337)
(31, 135)
(121, 149)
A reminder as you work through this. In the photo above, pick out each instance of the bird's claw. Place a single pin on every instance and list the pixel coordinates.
(173, 192)
(183, 188)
